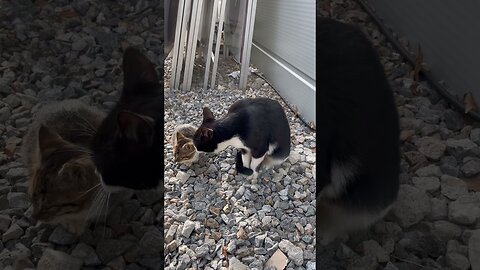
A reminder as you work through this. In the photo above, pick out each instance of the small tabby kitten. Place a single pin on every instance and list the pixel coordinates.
(56, 153)
(128, 147)
(359, 156)
(184, 150)
(258, 127)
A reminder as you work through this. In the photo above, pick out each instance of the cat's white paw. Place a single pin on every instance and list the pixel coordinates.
(253, 178)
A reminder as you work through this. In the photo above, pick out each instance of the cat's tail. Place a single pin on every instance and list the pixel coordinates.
(240, 168)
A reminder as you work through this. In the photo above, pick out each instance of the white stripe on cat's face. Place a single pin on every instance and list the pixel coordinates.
(234, 141)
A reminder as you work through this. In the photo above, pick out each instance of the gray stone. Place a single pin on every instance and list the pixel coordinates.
(439, 209)
(79, 44)
(58, 260)
(183, 262)
(18, 200)
(4, 114)
(14, 232)
(111, 248)
(294, 157)
(345, 252)
(452, 187)
(172, 245)
(202, 251)
(428, 184)
(457, 261)
(293, 252)
(474, 250)
(188, 228)
(5, 221)
(471, 167)
(170, 235)
(462, 144)
(390, 266)
(60, 236)
(453, 120)
(411, 207)
(475, 135)
(430, 147)
(465, 210)
(135, 40)
(243, 252)
(87, 254)
(373, 248)
(260, 239)
(151, 243)
(363, 263)
(236, 264)
(311, 266)
(148, 197)
(428, 115)
(117, 263)
(15, 174)
(182, 177)
(430, 170)
(446, 230)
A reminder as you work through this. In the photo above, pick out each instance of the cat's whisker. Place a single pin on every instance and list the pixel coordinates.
(93, 205)
(87, 191)
(87, 124)
(106, 214)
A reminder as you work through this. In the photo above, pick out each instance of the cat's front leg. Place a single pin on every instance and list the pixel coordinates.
(240, 165)
(246, 158)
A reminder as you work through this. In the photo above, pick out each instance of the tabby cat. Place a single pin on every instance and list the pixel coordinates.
(128, 146)
(184, 150)
(62, 178)
(359, 159)
(258, 127)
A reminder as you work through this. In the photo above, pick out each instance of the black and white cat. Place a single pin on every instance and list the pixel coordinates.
(358, 158)
(128, 146)
(258, 127)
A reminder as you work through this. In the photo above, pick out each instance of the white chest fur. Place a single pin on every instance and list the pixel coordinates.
(234, 141)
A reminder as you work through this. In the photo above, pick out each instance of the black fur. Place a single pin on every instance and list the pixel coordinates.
(357, 116)
(258, 122)
(128, 146)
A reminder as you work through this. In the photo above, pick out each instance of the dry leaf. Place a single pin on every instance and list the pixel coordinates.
(418, 64)
(225, 253)
(469, 102)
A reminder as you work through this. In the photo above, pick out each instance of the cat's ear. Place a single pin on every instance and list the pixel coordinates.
(207, 115)
(180, 136)
(137, 69)
(206, 133)
(48, 140)
(136, 127)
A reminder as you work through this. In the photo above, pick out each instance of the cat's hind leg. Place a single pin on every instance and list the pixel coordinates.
(255, 166)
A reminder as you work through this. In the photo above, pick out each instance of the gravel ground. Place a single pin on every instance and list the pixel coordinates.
(436, 222)
(215, 218)
(53, 51)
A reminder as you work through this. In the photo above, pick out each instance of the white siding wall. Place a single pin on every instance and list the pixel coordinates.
(284, 50)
